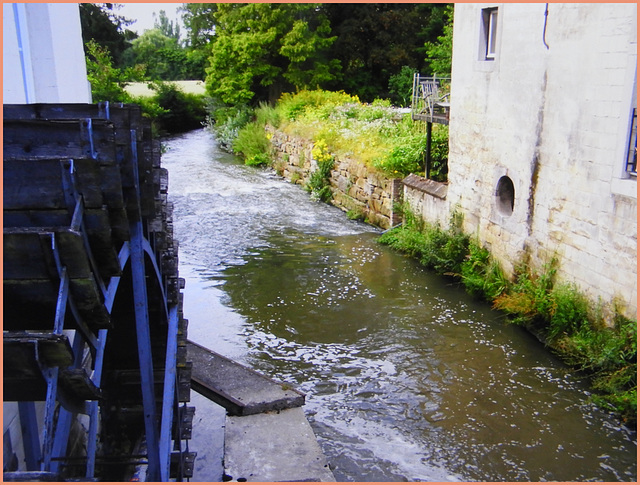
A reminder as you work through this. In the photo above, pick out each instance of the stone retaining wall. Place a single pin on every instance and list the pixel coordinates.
(355, 187)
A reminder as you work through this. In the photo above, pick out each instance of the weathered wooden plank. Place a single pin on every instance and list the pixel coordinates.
(26, 255)
(58, 139)
(97, 225)
(52, 350)
(77, 384)
(30, 304)
(23, 256)
(38, 184)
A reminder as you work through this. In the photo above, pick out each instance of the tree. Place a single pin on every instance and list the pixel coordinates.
(260, 50)
(401, 86)
(439, 52)
(374, 42)
(166, 26)
(199, 20)
(101, 24)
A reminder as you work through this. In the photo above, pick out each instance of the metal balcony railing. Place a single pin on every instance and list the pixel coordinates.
(430, 99)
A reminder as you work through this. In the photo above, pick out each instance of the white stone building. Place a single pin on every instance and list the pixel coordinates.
(542, 140)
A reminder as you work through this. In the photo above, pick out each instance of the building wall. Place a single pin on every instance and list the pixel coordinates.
(555, 120)
(43, 57)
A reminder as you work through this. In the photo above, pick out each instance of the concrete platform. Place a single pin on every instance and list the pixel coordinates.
(240, 390)
(273, 447)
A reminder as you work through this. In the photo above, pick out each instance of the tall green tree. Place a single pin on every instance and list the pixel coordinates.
(375, 40)
(162, 58)
(198, 19)
(101, 23)
(261, 50)
(439, 52)
(168, 27)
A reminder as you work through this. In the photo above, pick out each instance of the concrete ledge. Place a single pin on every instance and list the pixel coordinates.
(431, 187)
(274, 447)
(240, 390)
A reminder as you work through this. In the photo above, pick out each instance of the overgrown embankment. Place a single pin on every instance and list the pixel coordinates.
(563, 318)
(377, 134)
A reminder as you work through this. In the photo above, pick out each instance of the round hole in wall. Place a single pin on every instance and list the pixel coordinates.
(505, 196)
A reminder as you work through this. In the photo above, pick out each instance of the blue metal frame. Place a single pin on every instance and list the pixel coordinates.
(141, 310)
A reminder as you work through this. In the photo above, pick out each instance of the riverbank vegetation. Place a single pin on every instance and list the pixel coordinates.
(579, 331)
(376, 134)
(171, 109)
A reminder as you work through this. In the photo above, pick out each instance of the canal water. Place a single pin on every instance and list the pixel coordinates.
(407, 378)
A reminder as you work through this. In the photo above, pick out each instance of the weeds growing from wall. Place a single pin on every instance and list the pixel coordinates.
(319, 182)
(570, 324)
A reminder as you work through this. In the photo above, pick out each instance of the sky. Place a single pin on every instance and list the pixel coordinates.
(142, 13)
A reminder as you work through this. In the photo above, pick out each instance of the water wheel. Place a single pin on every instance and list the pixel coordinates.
(94, 337)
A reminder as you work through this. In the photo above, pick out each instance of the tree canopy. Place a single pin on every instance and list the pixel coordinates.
(439, 52)
(260, 50)
(101, 23)
(375, 40)
(257, 51)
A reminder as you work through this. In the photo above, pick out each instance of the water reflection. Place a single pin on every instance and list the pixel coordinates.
(407, 378)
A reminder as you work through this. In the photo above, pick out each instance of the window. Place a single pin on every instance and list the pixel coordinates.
(490, 32)
(632, 151)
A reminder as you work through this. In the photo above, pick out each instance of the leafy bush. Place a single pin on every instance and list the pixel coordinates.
(436, 248)
(180, 111)
(481, 275)
(253, 144)
(107, 81)
(529, 299)
(226, 121)
(401, 86)
(439, 152)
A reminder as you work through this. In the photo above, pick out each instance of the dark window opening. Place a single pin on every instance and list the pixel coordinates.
(632, 154)
(505, 196)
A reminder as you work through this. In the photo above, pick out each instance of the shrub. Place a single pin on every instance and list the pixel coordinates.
(319, 184)
(436, 248)
(226, 121)
(529, 298)
(253, 144)
(180, 111)
(481, 275)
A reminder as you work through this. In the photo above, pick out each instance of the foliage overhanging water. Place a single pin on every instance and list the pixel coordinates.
(407, 378)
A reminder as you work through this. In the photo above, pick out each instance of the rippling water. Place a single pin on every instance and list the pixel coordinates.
(407, 378)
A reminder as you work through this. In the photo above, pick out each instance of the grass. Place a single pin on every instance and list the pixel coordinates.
(142, 89)
(570, 324)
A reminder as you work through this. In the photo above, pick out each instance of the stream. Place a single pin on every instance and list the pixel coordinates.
(407, 378)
